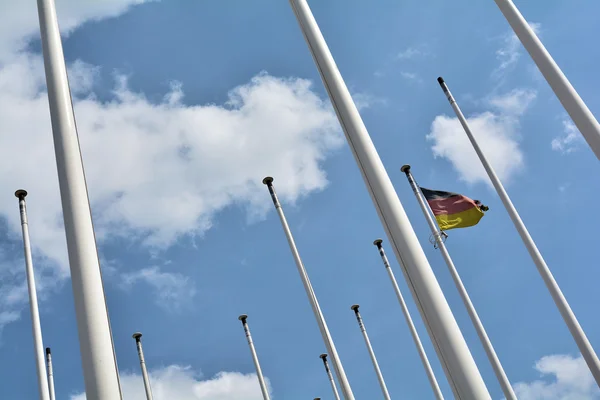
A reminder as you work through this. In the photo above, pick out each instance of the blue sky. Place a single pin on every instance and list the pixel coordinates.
(184, 106)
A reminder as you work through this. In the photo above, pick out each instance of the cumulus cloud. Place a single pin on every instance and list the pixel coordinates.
(496, 132)
(569, 141)
(182, 383)
(156, 171)
(173, 290)
(565, 378)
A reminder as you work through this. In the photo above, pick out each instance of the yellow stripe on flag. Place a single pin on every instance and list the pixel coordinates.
(462, 219)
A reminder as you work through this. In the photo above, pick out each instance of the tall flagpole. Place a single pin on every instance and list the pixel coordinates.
(38, 346)
(95, 339)
(50, 371)
(483, 337)
(457, 361)
(577, 332)
(312, 298)
(259, 374)
(138, 343)
(566, 93)
(361, 325)
(336, 395)
(411, 326)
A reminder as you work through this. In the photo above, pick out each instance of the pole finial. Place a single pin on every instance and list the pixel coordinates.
(440, 80)
(21, 193)
(268, 180)
(137, 336)
(47, 350)
(377, 242)
(354, 307)
(405, 168)
(323, 356)
(243, 318)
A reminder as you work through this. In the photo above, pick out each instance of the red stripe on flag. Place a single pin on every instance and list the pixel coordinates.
(451, 205)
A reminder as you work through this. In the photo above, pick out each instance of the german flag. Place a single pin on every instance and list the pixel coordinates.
(453, 210)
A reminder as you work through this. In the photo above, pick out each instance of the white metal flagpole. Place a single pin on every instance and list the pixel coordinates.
(336, 395)
(458, 363)
(361, 325)
(411, 326)
(38, 345)
(50, 371)
(559, 299)
(566, 93)
(259, 374)
(312, 298)
(483, 336)
(95, 339)
(138, 343)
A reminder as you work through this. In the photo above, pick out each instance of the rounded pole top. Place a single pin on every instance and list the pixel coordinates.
(21, 193)
(268, 180)
(405, 168)
(323, 356)
(243, 317)
(354, 307)
(47, 350)
(317, 398)
(137, 335)
(377, 242)
(440, 80)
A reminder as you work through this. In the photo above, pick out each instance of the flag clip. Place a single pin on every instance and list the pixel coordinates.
(433, 239)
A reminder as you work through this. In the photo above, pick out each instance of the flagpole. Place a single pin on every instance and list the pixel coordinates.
(458, 363)
(95, 339)
(138, 343)
(259, 374)
(336, 395)
(411, 326)
(50, 374)
(566, 93)
(38, 346)
(483, 336)
(577, 332)
(312, 298)
(361, 325)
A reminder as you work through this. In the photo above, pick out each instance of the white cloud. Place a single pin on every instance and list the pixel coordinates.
(513, 103)
(566, 378)
(155, 172)
(571, 139)
(366, 100)
(173, 291)
(496, 133)
(410, 76)
(412, 52)
(182, 383)
(510, 52)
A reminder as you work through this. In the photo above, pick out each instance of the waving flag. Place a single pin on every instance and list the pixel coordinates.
(452, 210)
